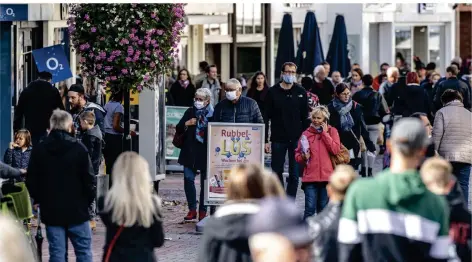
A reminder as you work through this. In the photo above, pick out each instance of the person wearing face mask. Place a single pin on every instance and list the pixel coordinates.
(193, 154)
(322, 86)
(237, 108)
(286, 108)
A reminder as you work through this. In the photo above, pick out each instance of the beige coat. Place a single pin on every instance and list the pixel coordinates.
(452, 133)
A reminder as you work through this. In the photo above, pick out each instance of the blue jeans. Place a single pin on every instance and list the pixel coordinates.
(462, 173)
(190, 190)
(81, 237)
(278, 161)
(316, 198)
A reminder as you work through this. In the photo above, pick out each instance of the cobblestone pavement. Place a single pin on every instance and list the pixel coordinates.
(184, 241)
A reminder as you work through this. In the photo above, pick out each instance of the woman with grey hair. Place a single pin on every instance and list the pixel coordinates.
(193, 155)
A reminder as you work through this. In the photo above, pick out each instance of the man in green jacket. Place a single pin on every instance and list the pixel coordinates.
(393, 217)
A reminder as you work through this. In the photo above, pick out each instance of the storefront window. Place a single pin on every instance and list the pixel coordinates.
(434, 43)
(249, 18)
(403, 43)
(216, 29)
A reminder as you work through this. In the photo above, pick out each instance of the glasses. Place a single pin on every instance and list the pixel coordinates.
(345, 94)
(290, 72)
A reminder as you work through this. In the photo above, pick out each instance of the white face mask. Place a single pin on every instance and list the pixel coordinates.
(199, 104)
(231, 95)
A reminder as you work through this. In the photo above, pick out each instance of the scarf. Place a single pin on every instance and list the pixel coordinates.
(202, 116)
(356, 84)
(344, 112)
(184, 84)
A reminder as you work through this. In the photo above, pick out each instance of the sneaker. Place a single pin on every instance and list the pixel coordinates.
(191, 215)
(201, 215)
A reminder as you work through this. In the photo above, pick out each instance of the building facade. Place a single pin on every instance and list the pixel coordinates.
(464, 31)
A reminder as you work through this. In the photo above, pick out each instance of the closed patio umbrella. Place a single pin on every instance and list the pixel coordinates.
(286, 48)
(338, 54)
(310, 50)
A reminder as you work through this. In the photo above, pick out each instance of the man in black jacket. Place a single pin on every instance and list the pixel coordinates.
(237, 108)
(322, 86)
(324, 226)
(453, 82)
(36, 104)
(287, 110)
(62, 181)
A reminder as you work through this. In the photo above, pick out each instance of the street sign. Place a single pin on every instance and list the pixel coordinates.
(53, 59)
(14, 12)
(426, 8)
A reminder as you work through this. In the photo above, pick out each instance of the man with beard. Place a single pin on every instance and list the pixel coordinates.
(287, 109)
(79, 104)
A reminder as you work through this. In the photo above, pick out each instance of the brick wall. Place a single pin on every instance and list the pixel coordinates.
(464, 37)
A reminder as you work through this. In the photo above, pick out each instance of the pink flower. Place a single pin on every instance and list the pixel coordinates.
(140, 88)
(161, 58)
(153, 15)
(103, 54)
(87, 17)
(107, 78)
(113, 78)
(93, 29)
(128, 60)
(124, 71)
(102, 38)
(152, 64)
(146, 77)
(140, 42)
(148, 52)
(131, 35)
(98, 66)
(82, 59)
(134, 30)
(160, 31)
(137, 21)
(153, 42)
(108, 68)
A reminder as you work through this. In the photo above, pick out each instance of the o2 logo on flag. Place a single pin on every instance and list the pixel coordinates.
(53, 59)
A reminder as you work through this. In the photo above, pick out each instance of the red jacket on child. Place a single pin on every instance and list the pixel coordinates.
(322, 146)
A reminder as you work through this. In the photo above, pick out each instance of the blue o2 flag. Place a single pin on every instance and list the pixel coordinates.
(53, 59)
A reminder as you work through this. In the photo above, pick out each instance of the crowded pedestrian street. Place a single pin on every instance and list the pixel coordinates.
(238, 132)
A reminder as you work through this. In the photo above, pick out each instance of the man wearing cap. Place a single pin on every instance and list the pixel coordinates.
(35, 105)
(79, 104)
(281, 216)
(393, 216)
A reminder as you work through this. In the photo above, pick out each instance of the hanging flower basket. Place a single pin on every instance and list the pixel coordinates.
(126, 44)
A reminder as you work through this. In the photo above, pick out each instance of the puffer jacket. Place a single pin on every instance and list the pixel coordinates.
(17, 158)
(245, 110)
(324, 228)
(322, 146)
(452, 133)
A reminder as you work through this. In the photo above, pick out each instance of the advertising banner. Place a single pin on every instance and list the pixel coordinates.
(14, 12)
(173, 116)
(53, 59)
(230, 144)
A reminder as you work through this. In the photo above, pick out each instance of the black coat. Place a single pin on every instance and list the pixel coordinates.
(359, 129)
(259, 97)
(287, 111)
(61, 179)
(324, 227)
(460, 223)
(182, 96)
(373, 104)
(36, 104)
(325, 94)
(245, 110)
(455, 84)
(193, 154)
(417, 100)
(134, 244)
(225, 238)
(396, 97)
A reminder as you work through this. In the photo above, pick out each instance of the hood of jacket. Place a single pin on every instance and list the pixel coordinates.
(96, 132)
(59, 142)
(403, 187)
(92, 105)
(230, 221)
(455, 103)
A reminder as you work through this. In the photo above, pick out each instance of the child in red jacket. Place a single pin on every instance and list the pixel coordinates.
(315, 147)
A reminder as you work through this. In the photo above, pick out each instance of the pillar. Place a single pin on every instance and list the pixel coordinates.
(387, 43)
(225, 62)
(196, 48)
(365, 43)
(5, 83)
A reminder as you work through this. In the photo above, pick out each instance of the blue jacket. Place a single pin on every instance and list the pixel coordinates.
(245, 110)
(16, 158)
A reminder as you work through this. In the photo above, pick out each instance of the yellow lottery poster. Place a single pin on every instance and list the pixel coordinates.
(230, 144)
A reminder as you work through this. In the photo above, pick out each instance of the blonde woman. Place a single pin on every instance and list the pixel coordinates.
(14, 246)
(272, 185)
(225, 237)
(131, 212)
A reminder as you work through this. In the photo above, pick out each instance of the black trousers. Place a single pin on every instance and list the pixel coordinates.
(113, 148)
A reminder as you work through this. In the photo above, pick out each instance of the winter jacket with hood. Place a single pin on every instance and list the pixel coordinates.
(225, 238)
(92, 139)
(453, 83)
(460, 222)
(17, 158)
(322, 146)
(393, 217)
(245, 110)
(324, 227)
(61, 179)
(452, 133)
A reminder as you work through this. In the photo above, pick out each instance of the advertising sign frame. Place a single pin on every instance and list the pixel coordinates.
(165, 124)
(215, 201)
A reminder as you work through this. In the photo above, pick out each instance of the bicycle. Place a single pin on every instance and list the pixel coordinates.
(15, 201)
